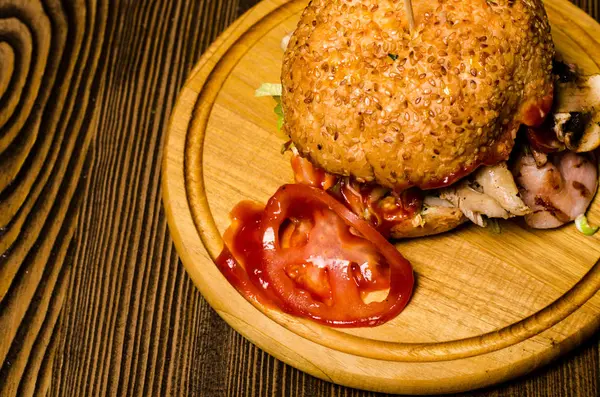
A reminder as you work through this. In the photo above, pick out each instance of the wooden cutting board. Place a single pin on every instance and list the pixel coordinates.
(487, 307)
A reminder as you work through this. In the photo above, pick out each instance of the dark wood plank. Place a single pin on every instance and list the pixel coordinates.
(42, 155)
(93, 299)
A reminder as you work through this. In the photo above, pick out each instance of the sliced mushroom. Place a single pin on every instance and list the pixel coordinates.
(580, 131)
(579, 95)
(577, 113)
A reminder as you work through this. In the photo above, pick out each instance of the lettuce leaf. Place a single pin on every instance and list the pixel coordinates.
(274, 91)
(268, 89)
(279, 112)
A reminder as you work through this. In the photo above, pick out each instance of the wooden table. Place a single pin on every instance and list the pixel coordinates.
(93, 299)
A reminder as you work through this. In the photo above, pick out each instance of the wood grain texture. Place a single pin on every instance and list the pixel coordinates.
(499, 305)
(94, 300)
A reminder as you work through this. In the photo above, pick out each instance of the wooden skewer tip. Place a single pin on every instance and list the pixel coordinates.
(410, 14)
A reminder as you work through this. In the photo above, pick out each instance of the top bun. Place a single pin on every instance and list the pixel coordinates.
(363, 96)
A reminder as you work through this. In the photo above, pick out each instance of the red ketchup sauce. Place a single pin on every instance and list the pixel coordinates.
(534, 112)
(543, 139)
(379, 206)
(308, 174)
(242, 242)
(308, 255)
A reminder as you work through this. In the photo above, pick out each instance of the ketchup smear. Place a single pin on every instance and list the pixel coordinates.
(242, 241)
(323, 265)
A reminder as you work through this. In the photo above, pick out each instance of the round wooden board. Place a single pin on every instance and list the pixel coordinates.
(486, 307)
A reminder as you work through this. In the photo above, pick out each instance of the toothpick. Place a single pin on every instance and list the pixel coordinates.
(409, 14)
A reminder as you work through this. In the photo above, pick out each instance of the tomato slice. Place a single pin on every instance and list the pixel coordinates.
(333, 260)
(243, 245)
(309, 255)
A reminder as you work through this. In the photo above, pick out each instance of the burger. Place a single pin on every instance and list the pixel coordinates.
(467, 115)
(406, 128)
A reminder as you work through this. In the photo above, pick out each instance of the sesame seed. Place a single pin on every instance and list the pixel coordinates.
(459, 61)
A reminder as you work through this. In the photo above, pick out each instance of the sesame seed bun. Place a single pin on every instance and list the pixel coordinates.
(364, 97)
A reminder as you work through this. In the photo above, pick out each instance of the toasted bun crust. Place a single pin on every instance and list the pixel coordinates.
(452, 99)
(434, 220)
